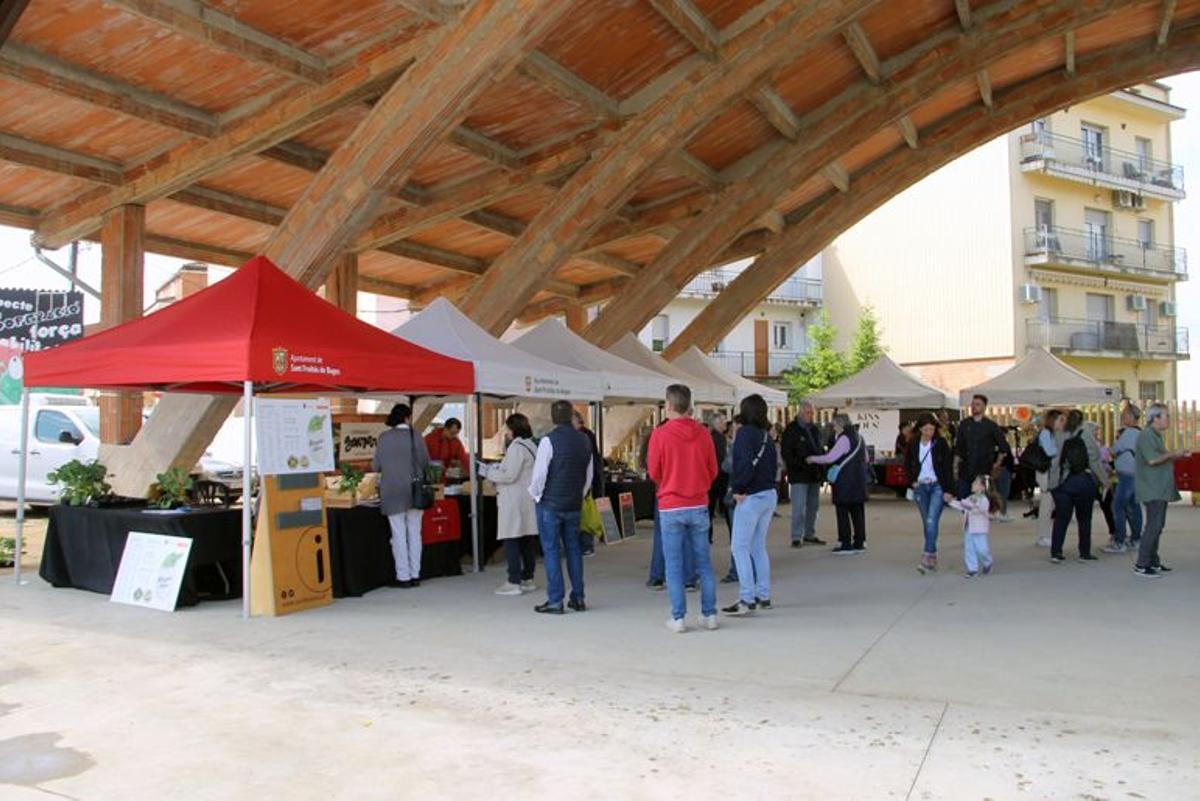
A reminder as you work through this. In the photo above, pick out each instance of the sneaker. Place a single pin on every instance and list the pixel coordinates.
(691, 587)
(1116, 547)
(676, 625)
(528, 586)
(1161, 568)
(860, 549)
(729, 580)
(1134, 545)
(657, 586)
(797, 543)
(586, 554)
(814, 540)
(1056, 560)
(1086, 557)
(1043, 542)
(763, 603)
(987, 568)
(843, 550)
(970, 574)
(1146, 572)
(508, 588)
(739, 609)
(577, 606)
(709, 622)
(548, 609)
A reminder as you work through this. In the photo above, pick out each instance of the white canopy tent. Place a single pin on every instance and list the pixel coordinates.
(626, 382)
(882, 385)
(704, 390)
(695, 362)
(1040, 379)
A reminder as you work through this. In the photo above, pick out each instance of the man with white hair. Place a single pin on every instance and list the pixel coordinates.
(1154, 480)
(801, 439)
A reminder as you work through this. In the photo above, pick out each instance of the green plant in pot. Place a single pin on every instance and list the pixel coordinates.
(82, 483)
(172, 489)
(351, 478)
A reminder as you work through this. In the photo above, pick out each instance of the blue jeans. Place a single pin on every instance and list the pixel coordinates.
(931, 501)
(559, 533)
(684, 535)
(658, 565)
(751, 520)
(1126, 507)
(806, 502)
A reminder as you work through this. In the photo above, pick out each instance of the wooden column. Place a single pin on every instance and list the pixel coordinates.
(577, 318)
(341, 289)
(122, 271)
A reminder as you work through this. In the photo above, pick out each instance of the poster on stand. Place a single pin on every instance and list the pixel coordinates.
(878, 427)
(294, 436)
(151, 571)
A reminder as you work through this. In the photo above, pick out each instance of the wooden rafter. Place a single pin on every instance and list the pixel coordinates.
(695, 170)
(963, 8)
(837, 174)
(985, 87)
(379, 286)
(205, 24)
(10, 12)
(612, 262)
(434, 10)
(691, 23)
(1069, 46)
(908, 130)
(554, 76)
(856, 38)
(776, 111)
(1164, 22)
(486, 148)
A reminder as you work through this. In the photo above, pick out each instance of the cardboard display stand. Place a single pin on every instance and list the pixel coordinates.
(290, 568)
(628, 515)
(608, 520)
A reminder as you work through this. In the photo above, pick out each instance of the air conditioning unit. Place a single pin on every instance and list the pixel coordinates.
(1166, 308)
(1030, 294)
(1125, 199)
(1136, 303)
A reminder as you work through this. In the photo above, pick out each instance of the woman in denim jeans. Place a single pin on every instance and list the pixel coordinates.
(930, 467)
(754, 489)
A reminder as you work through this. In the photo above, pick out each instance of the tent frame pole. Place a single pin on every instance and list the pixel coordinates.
(247, 488)
(476, 417)
(22, 476)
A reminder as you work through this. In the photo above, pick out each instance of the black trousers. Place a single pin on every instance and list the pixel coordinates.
(851, 516)
(1076, 493)
(521, 554)
(716, 498)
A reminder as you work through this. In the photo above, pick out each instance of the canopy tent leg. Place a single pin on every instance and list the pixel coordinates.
(22, 474)
(476, 438)
(247, 486)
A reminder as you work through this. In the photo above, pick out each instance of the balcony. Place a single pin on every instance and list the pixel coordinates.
(1086, 251)
(1076, 160)
(756, 364)
(794, 291)
(1108, 339)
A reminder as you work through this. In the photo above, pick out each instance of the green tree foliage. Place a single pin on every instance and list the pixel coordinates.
(822, 366)
(866, 347)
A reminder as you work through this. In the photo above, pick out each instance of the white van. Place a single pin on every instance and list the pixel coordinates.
(62, 428)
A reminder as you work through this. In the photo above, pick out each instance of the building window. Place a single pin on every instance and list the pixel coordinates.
(1101, 308)
(1093, 145)
(1151, 391)
(1048, 305)
(1043, 214)
(660, 333)
(1041, 130)
(781, 336)
(1096, 227)
(1146, 233)
(1145, 154)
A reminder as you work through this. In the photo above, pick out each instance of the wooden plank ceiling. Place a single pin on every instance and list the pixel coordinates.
(218, 114)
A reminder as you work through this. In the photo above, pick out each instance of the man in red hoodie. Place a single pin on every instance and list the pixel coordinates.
(682, 462)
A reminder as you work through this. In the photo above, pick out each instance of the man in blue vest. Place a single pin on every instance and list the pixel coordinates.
(562, 476)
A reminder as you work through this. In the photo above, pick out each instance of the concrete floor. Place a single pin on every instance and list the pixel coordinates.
(868, 681)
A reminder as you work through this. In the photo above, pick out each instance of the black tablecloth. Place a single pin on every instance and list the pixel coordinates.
(360, 550)
(643, 497)
(488, 523)
(84, 546)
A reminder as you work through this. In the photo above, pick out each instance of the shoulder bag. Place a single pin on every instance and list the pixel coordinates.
(422, 494)
(753, 464)
(835, 470)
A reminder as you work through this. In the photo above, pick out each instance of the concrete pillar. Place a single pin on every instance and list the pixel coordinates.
(341, 289)
(122, 242)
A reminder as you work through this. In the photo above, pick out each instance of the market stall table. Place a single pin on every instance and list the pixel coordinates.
(84, 545)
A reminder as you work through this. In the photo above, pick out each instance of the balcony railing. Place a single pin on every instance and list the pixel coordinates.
(1066, 245)
(747, 362)
(794, 290)
(1106, 336)
(1083, 160)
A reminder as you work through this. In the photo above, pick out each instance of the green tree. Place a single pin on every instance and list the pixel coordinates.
(821, 366)
(866, 347)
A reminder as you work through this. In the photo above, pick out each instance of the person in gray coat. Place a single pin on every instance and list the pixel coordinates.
(399, 456)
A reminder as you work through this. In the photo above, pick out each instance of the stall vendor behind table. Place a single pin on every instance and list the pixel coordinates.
(444, 446)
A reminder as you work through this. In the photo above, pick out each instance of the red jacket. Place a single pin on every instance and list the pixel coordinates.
(683, 463)
(450, 452)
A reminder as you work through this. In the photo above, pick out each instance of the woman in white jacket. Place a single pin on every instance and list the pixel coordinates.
(517, 526)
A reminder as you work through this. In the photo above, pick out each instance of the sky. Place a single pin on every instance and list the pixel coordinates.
(20, 268)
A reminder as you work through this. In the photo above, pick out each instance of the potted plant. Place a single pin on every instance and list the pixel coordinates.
(172, 488)
(83, 484)
(342, 491)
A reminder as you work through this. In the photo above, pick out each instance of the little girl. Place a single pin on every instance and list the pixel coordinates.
(976, 508)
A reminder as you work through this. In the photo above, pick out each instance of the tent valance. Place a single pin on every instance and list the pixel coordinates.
(1040, 379)
(704, 390)
(882, 385)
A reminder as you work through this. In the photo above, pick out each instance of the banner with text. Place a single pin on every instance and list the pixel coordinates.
(33, 320)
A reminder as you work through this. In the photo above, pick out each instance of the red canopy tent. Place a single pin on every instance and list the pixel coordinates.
(258, 331)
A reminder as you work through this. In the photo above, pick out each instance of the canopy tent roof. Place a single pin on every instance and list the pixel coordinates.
(257, 325)
(625, 381)
(1039, 379)
(704, 390)
(694, 361)
(882, 385)
(500, 369)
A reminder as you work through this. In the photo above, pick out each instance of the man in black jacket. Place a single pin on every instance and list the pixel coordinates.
(716, 493)
(802, 438)
(980, 446)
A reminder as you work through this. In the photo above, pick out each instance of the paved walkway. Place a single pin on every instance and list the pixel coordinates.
(868, 681)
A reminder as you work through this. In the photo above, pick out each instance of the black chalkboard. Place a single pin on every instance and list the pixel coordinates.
(612, 534)
(628, 517)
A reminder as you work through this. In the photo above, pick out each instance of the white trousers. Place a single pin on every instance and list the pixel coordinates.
(1045, 521)
(406, 543)
(976, 552)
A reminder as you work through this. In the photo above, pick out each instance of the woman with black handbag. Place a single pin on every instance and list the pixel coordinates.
(401, 459)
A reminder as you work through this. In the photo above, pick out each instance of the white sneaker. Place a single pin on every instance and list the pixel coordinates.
(528, 586)
(677, 626)
(709, 622)
(1043, 542)
(508, 588)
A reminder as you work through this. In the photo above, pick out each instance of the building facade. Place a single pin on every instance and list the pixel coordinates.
(1058, 235)
(768, 340)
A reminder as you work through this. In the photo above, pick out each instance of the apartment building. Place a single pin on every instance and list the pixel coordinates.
(768, 340)
(1060, 235)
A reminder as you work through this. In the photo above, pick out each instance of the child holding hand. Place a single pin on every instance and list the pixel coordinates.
(976, 507)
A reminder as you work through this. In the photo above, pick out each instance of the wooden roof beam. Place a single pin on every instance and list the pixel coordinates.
(612, 262)
(776, 111)
(691, 23)
(695, 170)
(439, 257)
(486, 148)
(1069, 46)
(379, 286)
(1164, 22)
(202, 23)
(860, 45)
(438, 11)
(566, 84)
(985, 87)
(908, 130)
(963, 8)
(10, 12)
(837, 174)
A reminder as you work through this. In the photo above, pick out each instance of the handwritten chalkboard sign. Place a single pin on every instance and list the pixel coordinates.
(628, 518)
(612, 534)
